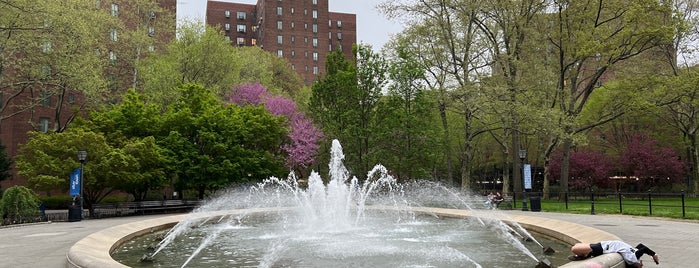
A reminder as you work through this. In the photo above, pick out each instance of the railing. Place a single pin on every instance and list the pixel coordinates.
(142, 207)
(648, 203)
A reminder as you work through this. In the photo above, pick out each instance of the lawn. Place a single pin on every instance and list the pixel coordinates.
(670, 207)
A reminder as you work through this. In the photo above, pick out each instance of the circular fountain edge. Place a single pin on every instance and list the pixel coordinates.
(95, 249)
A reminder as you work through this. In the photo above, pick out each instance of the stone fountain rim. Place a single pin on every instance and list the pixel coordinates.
(95, 249)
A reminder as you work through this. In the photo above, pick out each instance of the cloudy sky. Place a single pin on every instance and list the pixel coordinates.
(372, 27)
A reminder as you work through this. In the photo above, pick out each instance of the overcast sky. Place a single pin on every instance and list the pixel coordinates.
(372, 27)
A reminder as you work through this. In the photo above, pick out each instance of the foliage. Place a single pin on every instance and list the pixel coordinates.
(48, 159)
(651, 163)
(19, 203)
(302, 147)
(211, 145)
(588, 169)
(201, 55)
(47, 50)
(5, 163)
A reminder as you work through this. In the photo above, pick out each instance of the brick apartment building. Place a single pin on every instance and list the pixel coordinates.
(26, 111)
(302, 31)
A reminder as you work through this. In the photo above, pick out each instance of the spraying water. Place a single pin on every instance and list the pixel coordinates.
(330, 222)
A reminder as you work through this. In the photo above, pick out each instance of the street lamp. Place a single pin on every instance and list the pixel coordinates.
(82, 155)
(522, 156)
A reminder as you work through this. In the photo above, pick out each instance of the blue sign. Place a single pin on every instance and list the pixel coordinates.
(75, 182)
(527, 176)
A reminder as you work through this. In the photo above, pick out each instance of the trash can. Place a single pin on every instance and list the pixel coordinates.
(535, 204)
(74, 213)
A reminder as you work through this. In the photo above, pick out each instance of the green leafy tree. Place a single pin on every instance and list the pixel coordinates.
(47, 52)
(48, 159)
(18, 204)
(213, 146)
(592, 39)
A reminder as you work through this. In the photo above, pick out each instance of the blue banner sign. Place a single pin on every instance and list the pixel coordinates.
(75, 182)
(527, 176)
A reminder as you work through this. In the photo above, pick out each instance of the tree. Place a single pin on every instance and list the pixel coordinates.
(18, 204)
(588, 169)
(47, 52)
(202, 55)
(653, 164)
(48, 159)
(304, 137)
(590, 40)
(213, 145)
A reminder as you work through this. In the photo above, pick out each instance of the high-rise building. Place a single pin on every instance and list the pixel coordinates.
(302, 31)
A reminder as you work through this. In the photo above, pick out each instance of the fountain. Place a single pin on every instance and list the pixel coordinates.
(280, 223)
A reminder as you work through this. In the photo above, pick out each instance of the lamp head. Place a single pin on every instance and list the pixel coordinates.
(82, 155)
(522, 154)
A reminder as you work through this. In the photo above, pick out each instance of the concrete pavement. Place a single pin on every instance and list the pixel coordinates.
(46, 245)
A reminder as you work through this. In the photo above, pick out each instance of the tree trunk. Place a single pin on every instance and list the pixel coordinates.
(565, 168)
(445, 143)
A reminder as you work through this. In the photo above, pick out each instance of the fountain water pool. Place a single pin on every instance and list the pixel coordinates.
(328, 225)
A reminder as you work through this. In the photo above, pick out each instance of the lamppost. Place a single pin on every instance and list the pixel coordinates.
(82, 155)
(522, 156)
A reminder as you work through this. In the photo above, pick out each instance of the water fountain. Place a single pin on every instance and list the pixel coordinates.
(344, 223)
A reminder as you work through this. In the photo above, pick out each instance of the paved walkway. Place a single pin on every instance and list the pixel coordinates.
(45, 245)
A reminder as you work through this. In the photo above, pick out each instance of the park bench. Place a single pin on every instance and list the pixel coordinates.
(143, 207)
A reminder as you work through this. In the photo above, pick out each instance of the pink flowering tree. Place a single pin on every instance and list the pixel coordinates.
(587, 169)
(651, 163)
(303, 135)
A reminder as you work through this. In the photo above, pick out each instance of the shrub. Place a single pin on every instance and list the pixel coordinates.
(19, 204)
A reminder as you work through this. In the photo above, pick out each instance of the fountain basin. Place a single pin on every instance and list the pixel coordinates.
(95, 249)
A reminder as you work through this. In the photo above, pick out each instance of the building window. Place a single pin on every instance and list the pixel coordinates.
(240, 15)
(279, 25)
(315, 28)
(292, 10)
(280, 39)
(330, 47)
(339, 36)
(115, 10)
(293, 67)
(242, 28)
(339, 24)
(113, 35)
(279, 11)
(315, 2)
(315, 70)
(240, 41)
(44, 124)
(45, 98)
(151, 48)
(305, 26)
(112, 57)
(293, 53)
(330, 23)
(330, 35)
(151, 31)
(292, 25)
(305, 54)
(293, 39)
(315, 42)
(46, 47)
(305, 68)
(45, 71)
(227, 26)
(315, 13)
(280, 53)
(315, 56)
(305, 12)
(253, 42)
(71, 98)
(227, 13)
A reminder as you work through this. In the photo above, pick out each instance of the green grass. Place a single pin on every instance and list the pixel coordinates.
(670, 207)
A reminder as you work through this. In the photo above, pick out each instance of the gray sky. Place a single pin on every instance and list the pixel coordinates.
(372, 27)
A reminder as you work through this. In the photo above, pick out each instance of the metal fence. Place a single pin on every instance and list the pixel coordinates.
(622, 201)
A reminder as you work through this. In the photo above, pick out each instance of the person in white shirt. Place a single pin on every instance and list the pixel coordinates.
(631, 255)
